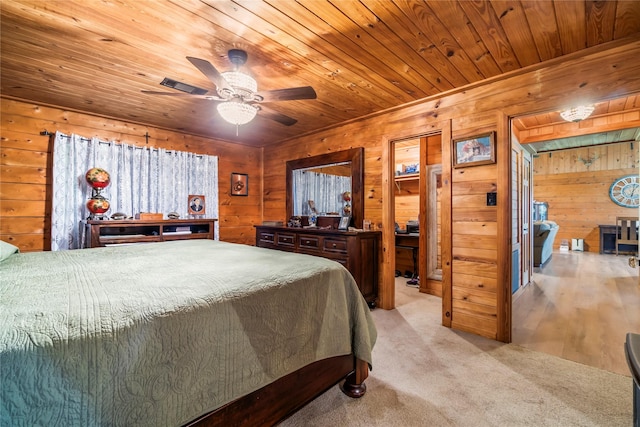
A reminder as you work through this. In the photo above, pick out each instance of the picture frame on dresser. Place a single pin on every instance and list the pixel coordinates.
(196, 204)
(344, 223)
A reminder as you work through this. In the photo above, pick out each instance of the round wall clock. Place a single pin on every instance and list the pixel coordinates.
(625, 191)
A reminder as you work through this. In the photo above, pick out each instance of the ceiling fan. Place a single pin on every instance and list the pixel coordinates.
(236, 92)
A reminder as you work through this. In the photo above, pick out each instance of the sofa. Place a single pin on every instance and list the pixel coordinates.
(544, 234)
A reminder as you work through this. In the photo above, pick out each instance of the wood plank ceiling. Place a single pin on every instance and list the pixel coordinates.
(361, 57)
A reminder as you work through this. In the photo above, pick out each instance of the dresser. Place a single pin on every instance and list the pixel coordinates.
(356, 250)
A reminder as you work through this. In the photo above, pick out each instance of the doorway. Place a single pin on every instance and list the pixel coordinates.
(576, 305)
(414, 205)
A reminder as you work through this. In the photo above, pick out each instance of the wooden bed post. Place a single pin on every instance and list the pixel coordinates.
(354, 385)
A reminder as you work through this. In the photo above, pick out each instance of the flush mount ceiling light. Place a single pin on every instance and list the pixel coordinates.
(578, 113)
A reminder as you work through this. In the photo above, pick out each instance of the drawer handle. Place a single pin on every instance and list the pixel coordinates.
(306, 242)
(334, 245)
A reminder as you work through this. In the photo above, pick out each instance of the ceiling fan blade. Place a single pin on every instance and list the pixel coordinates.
(212, 74)
(183, 95)
(291, 94)
(278, 117)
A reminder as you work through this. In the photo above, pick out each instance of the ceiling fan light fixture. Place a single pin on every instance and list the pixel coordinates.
(576, 114)
(242, 83)
(237, 113)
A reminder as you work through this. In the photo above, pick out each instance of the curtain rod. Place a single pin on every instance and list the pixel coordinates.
(131, 147)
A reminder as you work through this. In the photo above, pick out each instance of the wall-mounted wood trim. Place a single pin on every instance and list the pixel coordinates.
(503, 294)
(446, 230)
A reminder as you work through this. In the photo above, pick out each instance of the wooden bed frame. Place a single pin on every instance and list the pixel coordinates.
(279, 400)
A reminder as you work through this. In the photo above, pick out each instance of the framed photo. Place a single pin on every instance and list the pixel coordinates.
(344, 223)
(478, 150)
(197, 205)
(239, 184)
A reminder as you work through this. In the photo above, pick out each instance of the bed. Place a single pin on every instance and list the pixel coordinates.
(191, 332)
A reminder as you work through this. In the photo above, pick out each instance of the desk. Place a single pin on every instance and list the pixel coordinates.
(410, 241)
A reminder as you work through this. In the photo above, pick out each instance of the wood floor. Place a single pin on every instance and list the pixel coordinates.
(579, 306)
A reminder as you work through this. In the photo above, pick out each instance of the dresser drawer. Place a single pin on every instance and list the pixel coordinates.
(265, 237)
(309, 243)
(286, 239)
(335, 245)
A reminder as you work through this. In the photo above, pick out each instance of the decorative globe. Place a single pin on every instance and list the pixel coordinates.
(98, 205)
(98, 178)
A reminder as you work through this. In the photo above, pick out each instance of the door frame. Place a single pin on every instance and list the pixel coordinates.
(387, 288)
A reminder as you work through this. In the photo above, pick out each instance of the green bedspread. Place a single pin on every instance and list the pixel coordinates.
(158, 334)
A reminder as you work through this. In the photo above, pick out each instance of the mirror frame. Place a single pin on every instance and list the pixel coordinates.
(353, 155)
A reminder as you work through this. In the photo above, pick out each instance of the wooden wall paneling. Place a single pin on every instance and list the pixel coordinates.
(434, 149)
(483, 325)
(471, 217)
(387, 289)
(431, 218)
(446, 227)
(425, 203)
(25, 171)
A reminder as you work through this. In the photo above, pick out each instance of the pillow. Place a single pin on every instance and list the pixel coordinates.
(6, 250)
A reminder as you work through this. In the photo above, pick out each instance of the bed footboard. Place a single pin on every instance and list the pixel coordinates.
(282, 398)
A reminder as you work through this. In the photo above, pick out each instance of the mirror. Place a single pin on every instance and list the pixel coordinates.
(341, 171)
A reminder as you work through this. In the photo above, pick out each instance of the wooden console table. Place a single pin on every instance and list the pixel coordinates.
(128, 231)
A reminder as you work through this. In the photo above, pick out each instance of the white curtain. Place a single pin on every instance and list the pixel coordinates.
(324, 189)
(142, 180)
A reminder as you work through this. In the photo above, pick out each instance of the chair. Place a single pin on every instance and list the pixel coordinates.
(627, 232)
(544, 235)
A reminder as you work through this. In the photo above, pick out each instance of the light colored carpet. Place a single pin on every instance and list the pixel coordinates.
(427, 375)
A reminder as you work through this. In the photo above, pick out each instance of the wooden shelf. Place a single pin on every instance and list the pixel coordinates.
(104, 233)
(406, 177)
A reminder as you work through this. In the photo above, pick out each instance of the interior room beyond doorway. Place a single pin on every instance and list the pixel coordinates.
(417, 213)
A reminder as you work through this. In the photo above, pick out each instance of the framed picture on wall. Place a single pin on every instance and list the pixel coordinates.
(474, 151)
(239, 184)
(197, 205)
